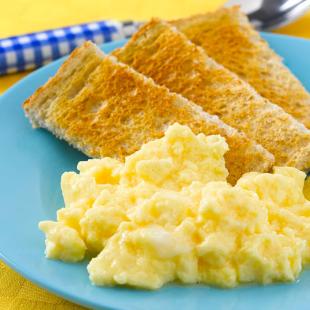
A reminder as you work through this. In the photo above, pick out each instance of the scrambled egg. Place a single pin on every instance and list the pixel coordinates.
(168, 214)
(307, 188)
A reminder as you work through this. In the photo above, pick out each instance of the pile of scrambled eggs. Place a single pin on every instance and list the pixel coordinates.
(168, 214)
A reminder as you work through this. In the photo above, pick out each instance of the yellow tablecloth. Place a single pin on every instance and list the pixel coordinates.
(22, 16)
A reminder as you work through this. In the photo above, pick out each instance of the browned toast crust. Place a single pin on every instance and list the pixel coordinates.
(118, 110)
(228, 37)
(161, 52)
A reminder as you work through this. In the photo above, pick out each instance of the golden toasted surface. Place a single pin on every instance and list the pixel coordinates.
(228, 37)
(70, 79)
(159, 51)
(116, 110)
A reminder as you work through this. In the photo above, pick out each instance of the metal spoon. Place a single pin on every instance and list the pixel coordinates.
(271, 14)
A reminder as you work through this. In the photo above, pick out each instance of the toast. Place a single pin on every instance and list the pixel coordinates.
(116, 109)
(161, 52)
(69, 80)
(228, 37)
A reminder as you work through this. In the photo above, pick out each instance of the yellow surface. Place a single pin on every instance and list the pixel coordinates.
(22, 16)
(167, 214)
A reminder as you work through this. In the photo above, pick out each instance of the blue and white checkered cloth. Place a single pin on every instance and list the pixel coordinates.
(33, 50)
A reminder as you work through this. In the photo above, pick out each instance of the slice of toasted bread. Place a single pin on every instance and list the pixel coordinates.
(116, 109)
(228, 37)
(69, 80)
(161, 52)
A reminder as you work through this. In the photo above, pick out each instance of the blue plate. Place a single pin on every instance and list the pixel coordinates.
(31, 163)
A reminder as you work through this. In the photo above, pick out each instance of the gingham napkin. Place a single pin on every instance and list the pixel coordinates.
(33, 50)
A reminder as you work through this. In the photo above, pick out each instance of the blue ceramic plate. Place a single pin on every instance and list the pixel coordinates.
(31, 163)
